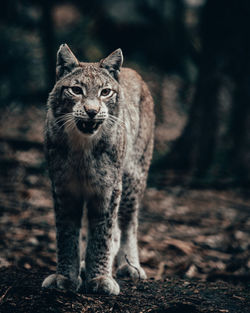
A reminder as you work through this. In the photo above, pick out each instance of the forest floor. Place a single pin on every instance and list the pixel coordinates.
(194, 244)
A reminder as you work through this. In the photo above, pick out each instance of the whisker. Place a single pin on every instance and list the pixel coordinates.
(118, 122)
(116, 118)
(67, 121)
(69, 124)
(64, 115)
(112, 122)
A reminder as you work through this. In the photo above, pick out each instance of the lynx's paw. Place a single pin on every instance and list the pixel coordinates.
(61, 282)
(134, 272)
(103, 285)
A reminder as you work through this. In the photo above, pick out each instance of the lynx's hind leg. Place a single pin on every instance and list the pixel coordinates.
(128, 256)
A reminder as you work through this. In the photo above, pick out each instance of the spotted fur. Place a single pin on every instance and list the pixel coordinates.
(99, 142)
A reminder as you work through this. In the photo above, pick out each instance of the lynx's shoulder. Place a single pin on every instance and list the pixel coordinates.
(130, 78)
(129, 74)
(135, 89)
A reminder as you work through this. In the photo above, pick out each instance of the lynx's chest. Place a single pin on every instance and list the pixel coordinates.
(95, 164)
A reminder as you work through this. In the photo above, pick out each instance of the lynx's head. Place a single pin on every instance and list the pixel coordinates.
(86, 94)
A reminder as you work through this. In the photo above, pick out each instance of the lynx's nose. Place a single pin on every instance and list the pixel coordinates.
(91, 107)
(91, 112)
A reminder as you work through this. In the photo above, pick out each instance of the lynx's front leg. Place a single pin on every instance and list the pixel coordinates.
(68, 210)
(103, 243)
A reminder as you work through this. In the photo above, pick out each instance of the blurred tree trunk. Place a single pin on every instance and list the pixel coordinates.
(225, 41)
(194, 150)
(239, 130)
(239, 155)
(48, 41)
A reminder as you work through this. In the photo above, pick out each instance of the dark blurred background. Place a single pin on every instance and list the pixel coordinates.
(194, 54)
(195, 57)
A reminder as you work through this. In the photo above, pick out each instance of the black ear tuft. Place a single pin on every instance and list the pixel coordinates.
(113, 63)
(66, 61)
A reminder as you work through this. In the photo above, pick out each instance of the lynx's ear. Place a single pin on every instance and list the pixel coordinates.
(113, 63)
(66, 61)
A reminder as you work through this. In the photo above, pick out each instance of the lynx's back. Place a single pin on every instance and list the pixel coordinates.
(139, 120)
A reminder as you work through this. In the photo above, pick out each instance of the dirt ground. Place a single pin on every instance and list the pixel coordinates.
(21, 293)
(189, 239)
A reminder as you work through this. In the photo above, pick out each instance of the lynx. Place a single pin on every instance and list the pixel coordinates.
(98, 142)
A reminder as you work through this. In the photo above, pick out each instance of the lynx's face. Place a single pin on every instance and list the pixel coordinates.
(88, 91)
(91, 98)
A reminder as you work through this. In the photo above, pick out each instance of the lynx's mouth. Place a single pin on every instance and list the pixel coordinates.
(88, 127)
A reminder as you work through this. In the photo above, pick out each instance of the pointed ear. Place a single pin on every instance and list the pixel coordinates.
(66, 61)
(113, 63)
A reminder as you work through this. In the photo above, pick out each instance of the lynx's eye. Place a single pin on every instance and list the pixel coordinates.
(76, 90)
(106, 92)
